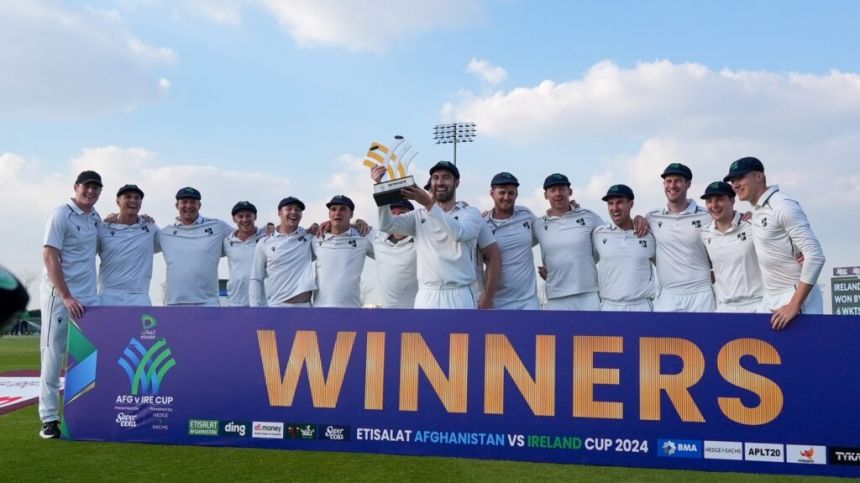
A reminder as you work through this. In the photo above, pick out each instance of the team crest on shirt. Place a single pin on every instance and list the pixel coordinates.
(112, 233)
(764, 221)
(659, 224)
(353, 243)
(643, 243)
(742, 236)
(697, 223)
(144, 228)
(175, 231)
(580, 221)
(209, 231)
(527, 225)
(604, 241)
(709, 241)
(302, 238)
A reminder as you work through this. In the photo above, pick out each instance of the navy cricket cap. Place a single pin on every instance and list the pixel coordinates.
(504, 178)
(555, 179)
(129, 187)
(188, 192)
(341, 200)
(406, 204)
(678, 169)
(290, 200)
(89, 177)
(448, 166)
(742, 167)
(618, 191)
(718, 188)
(243, 206)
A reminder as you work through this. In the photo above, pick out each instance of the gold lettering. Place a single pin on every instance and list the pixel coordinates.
(770, 394)
(652, 381)
(415, 354)
(305, 352)
(501, 356)
(585, 376)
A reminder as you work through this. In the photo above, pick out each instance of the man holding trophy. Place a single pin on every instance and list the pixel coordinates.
(445, 230)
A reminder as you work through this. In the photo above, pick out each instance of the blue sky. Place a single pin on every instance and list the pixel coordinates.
(260, 99)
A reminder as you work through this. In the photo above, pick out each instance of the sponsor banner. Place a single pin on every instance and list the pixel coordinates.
(764, 452)
(697, 391)
(843, 456)
(723, 450)
(267, 430)
(679, 448)
(805, 454)
(17, 392)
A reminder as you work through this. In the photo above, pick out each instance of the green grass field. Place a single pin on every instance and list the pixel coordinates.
(26, 457)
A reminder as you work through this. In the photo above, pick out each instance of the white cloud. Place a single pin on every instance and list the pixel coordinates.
(487, 72)
(370, 25)
(661, 98)
(67, 61)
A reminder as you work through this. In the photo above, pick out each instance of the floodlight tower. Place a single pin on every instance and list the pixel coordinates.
(453, 133)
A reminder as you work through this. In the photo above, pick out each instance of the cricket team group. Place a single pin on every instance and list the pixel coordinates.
(434, 252)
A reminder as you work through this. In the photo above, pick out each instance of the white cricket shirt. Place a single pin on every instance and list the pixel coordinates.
(624, 268)
(737, 277)
(682, 262)
(340, 261)
(518, 281)
(284, 263)
(781, 231)
(445, 242)
(485, 239)
(240, 258)
(191, 253)
(566, 250)
(396, 270)
(74, 233)
(126, 253)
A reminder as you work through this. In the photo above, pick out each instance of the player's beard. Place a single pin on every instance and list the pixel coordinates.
(444, 197)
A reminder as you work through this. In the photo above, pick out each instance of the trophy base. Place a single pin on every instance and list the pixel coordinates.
(387, 192)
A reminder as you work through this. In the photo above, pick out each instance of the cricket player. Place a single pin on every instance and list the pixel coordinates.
(729, 242)
(445, 232)
(396, 263)
(511, 225)
(683, 270)
(68, 287)
(340, 255)
(780, 231)
(625, 262)
(282, 274)
(564, 234)
(488, 267)
(192, 248)
(239, 248)
(125, 248)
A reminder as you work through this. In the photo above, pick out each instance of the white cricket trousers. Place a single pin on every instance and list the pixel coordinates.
(52, 347)
(445, 298)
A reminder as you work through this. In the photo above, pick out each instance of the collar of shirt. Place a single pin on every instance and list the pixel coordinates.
(691, 207)
(573, 211)
(198, 221)
(234, 235)
(766, 196)
(77, 209)
(614, 227)
(352, 232)
(736, 223)
(517, 211)
(298, 232)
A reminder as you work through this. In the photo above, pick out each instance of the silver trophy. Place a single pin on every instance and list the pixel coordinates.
(396, 160)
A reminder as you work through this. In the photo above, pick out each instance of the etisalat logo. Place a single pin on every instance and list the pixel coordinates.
(146, 367)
